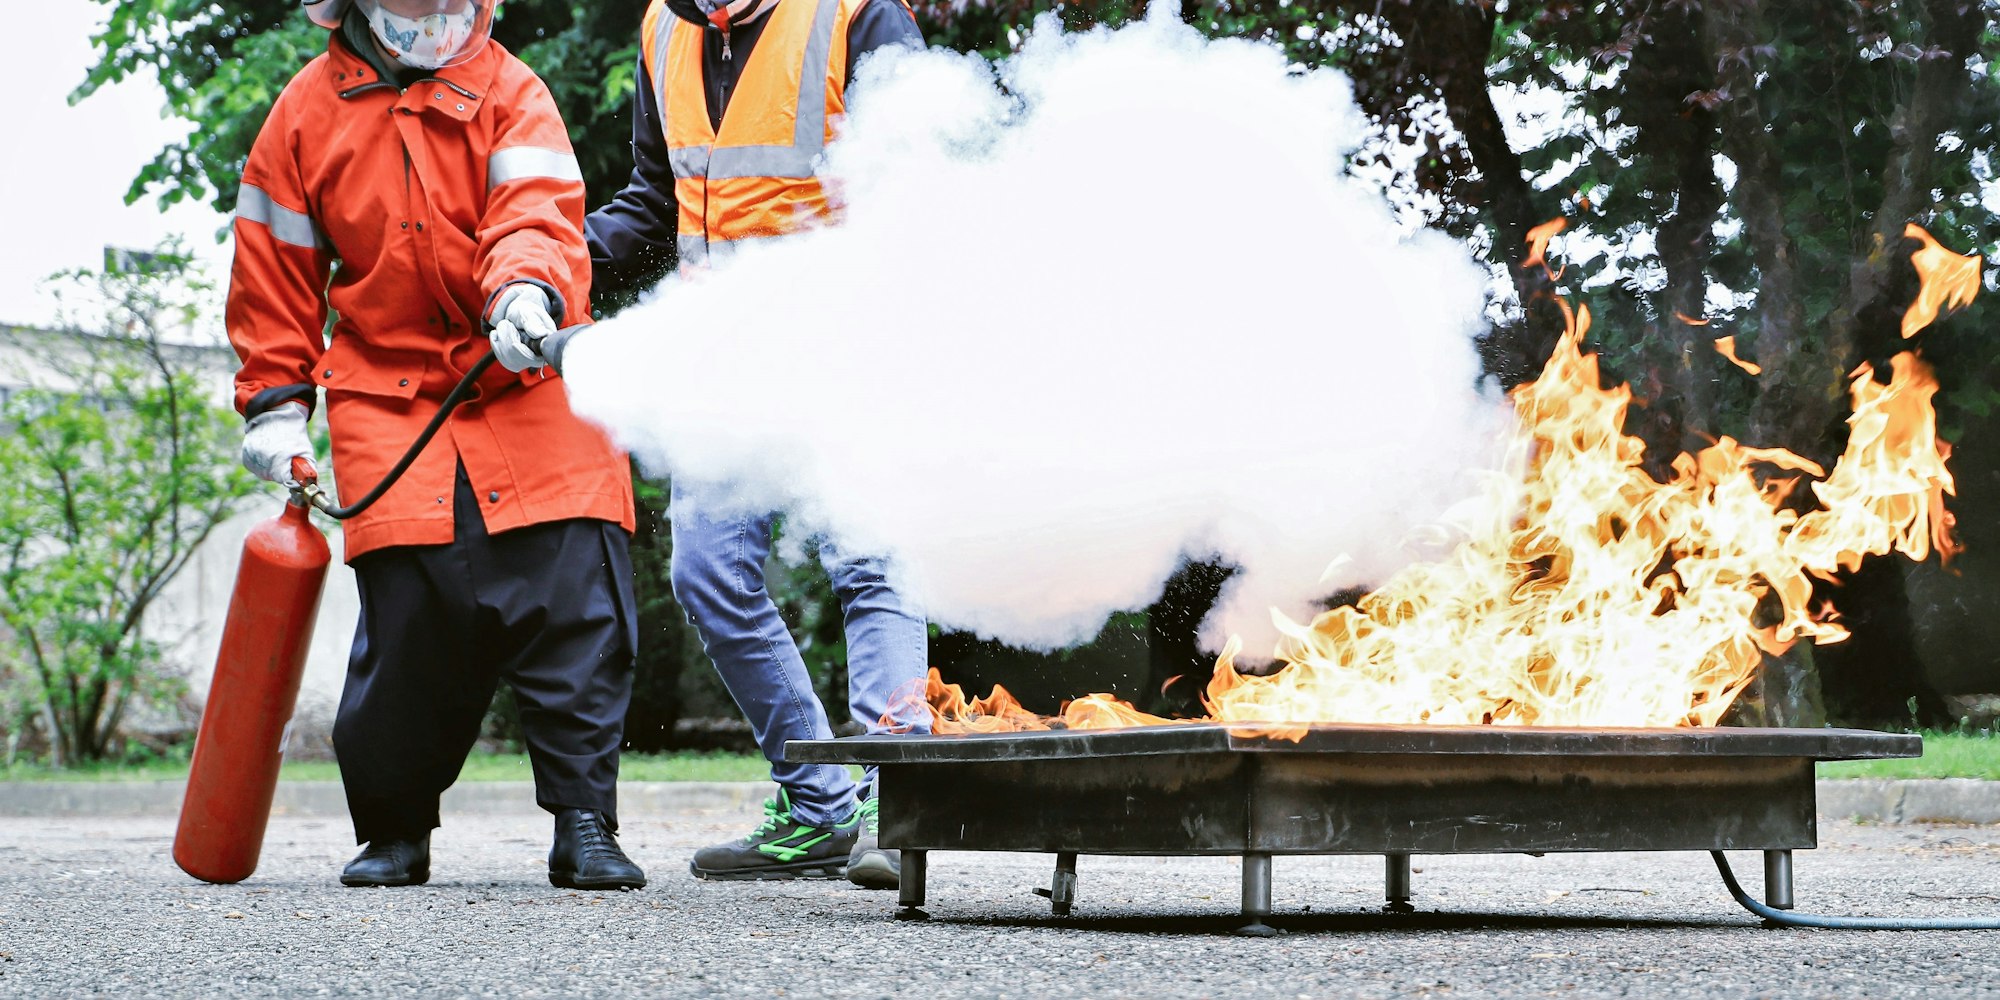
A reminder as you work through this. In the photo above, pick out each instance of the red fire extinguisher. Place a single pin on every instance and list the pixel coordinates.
(240, 743)
(241, 740)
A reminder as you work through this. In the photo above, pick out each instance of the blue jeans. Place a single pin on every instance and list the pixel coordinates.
(718, 578)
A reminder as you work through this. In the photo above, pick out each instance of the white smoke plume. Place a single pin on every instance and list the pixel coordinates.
(1108, 306)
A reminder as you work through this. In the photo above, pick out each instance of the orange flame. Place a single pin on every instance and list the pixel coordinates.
(1001, 712)
(1887, 491)
(1949, 280)
(1726, 346)
(1584, 591)
(1538, 245)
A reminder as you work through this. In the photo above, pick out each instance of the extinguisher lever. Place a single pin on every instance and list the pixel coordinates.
(306, 491)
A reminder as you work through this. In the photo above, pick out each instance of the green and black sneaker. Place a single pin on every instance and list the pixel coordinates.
(868, 864)
(779, 848)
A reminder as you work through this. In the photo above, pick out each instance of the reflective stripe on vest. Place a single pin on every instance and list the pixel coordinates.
(803, 36)
(286, 226)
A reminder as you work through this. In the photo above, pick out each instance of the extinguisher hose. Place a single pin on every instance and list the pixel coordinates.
(1790, 919)
(459, 394)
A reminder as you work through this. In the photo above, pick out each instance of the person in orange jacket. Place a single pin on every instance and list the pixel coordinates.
(416, 182)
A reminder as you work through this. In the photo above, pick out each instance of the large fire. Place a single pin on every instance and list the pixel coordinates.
(1581, 590)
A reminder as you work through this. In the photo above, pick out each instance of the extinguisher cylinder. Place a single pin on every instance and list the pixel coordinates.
(250, 700)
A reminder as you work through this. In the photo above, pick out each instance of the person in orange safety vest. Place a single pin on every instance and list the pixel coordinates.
(416, 183)
(735, 103)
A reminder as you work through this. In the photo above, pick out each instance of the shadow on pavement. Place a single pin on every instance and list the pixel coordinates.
(1348, 923)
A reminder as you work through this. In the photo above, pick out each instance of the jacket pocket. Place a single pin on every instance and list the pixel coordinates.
(350, 365)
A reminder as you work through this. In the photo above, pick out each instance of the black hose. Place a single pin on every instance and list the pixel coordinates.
(1791, 919)
(459, 393)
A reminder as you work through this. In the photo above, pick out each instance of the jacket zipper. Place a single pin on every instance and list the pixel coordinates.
(727, 85)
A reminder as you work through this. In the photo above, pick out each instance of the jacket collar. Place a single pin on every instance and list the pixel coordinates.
(463, 87)
(688, 10)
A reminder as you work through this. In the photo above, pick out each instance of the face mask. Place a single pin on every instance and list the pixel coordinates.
(426, 42)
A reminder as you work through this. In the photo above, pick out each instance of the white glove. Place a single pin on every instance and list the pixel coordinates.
(521, 318)
(275, 437)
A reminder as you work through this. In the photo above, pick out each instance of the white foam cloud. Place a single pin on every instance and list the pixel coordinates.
(1109, 306)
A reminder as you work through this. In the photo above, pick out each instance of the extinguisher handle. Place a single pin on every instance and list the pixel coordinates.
(306, 491)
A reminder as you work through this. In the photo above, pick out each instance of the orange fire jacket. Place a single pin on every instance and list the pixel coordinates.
(756, 176)
(406, 212)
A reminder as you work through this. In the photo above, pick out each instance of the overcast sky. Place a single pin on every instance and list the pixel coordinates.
(65, 170)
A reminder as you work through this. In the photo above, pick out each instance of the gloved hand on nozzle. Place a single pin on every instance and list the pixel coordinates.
(275, 437)
(521, 320)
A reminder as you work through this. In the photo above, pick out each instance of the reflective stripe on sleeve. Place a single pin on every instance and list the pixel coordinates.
(518, 163)
(287, 226)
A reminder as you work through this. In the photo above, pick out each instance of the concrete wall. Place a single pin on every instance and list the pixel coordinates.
(190, 616)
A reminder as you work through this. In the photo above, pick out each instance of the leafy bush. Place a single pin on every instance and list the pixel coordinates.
(111, 477)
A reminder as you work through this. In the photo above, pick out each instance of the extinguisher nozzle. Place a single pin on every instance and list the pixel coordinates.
(556, 344)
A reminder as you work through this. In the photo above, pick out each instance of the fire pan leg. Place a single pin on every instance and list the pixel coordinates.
(1256, 896)
(1396, 883)
(1062, 888)
(910, 887)
(1778, 879)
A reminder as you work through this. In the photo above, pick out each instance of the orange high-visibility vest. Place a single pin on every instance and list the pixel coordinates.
(758, 176)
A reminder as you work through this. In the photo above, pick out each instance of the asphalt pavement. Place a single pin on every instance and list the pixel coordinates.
(95, 906)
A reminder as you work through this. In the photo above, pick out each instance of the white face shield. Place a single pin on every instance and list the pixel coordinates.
(430, 34)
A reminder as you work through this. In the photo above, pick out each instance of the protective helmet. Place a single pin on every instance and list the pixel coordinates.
(325, 13)
(425, 34)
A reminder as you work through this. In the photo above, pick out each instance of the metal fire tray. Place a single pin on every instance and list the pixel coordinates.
(1205, 789)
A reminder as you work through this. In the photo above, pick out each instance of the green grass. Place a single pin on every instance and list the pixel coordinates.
(480, 767)
(1946, 755)
(152, 770)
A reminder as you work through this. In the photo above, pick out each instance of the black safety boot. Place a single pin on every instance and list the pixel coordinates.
(390, 862)
(869, 864)
(779, 848)
(586, 855)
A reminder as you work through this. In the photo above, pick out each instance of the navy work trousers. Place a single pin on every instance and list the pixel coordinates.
(549, 607)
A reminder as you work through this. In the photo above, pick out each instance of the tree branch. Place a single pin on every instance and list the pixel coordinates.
(1448, 44)
(1934, 100)
(1735, 36)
